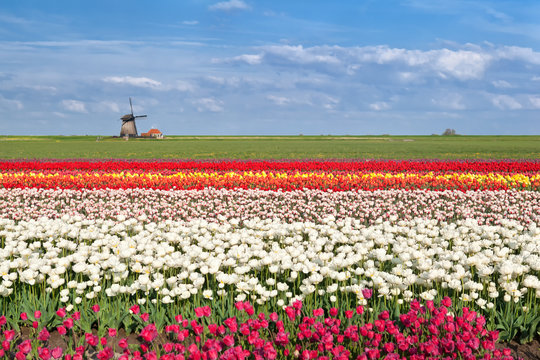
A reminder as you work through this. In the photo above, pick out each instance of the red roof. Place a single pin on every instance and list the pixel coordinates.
(154, 131)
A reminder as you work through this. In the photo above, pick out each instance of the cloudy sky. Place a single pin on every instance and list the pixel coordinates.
(240, 67)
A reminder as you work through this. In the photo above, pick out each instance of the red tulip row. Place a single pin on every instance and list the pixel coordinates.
(382, 166)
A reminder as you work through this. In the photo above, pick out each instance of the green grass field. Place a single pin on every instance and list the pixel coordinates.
(273, 147)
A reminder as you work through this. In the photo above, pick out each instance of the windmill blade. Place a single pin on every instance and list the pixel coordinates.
(138, 116)
(131, 105)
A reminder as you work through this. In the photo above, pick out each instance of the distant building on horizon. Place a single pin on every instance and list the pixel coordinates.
(153, 133)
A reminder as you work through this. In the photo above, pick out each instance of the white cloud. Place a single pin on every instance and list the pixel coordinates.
(519, 53)
(229, 5)
(239, 83)
(107, 106)
(314, 99)
(330, 103)
(216, 79)
(134, 81)
(74, 105)
(208, 104)
(501, 84)
(190, 22)
(463, 64)
(407, 76)
(279, 100)
(535, 78)
(301, 55)
(251, 59)
(449, 101)
(499, 15)
(460, 64)
(468, 63)
(505, 102)
(184, 86)
(535, 101)
(379, 106)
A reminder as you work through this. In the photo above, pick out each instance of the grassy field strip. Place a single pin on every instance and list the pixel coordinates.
(273, 147)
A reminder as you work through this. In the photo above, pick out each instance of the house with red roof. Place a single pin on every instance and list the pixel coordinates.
(153, 133)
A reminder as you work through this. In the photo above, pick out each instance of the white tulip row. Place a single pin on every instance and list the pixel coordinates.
(270, 260)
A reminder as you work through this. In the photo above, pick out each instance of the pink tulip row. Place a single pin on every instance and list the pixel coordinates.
(422, 332)
(488, 207)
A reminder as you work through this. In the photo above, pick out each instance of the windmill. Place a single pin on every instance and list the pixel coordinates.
(128, 123)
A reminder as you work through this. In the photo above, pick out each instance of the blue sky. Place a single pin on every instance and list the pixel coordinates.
(240, 67)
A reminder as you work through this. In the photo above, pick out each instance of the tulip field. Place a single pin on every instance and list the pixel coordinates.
(268, 259)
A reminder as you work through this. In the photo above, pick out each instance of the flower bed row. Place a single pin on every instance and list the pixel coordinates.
(213, 205)
(382, 166)
(420, 332)
(271, 180)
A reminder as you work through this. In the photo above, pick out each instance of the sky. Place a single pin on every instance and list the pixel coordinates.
(281, 67)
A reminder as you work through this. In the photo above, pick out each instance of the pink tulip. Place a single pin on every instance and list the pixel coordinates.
(367, 293)
(25, 347)
(61, 312)
(91, 339)
(57, 353)
(123, 343)
(61, 330)
(446, 301)
(44, 335)
(44, 353)
(203, 311)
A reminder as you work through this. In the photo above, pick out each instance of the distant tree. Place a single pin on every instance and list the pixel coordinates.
(449, 132)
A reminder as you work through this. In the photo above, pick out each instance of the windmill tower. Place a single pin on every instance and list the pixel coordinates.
(129, 128)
